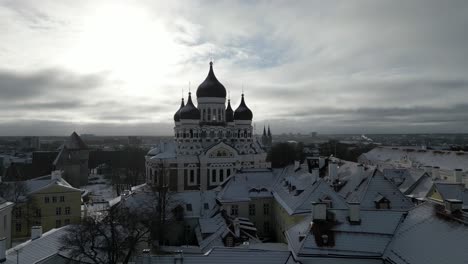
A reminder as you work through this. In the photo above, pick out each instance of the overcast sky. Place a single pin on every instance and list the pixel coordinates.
(119, 67)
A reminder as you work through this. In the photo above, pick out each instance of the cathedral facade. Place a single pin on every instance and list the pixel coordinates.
(211, 142)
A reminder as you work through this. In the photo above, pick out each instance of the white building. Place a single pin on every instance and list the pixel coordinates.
(5, 223)
(211, 142)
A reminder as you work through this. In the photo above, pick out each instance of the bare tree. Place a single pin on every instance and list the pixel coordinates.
(111, 238)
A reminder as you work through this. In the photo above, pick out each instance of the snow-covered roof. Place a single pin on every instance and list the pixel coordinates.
(421, 187)
(248, 184)
(447, 160)
(211, 232)
(453, 191)
(425, 238)
(165, 150)
(223, 255)
(295, 190)
(32, 251)
(403, 178)
(376, 188)
(351, 175)
(367, 239)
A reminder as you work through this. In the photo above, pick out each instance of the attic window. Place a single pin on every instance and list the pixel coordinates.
(189, 207)
(381, 202)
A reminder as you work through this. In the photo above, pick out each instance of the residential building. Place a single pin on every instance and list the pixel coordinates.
(48, 201)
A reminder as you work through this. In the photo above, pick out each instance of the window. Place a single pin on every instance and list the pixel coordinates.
(206, 206)
(46, 199)
(192, 176)
(37, 212)
(234, 209)
(66, 222)
(62, 199)
(18, 227)
(266, 227)
(209, 114)
(58, 210)
(67, 210)
(251, 209)
(54, 199)
(188, 207)
(221, 175)
(228, 172)
(213, 176)
(266, 209)
(58, 223)
(18, 212)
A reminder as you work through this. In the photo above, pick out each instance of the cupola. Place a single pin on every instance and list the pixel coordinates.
(229, 113)
(211, 87)
(189, 111)
(177, 114)
(243, 112)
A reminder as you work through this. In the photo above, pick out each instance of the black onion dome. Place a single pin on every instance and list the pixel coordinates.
(189, 111)
(211, 87)
(243, 112)
(177, 114)
(229, 113)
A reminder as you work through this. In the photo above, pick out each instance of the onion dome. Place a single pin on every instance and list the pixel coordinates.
(211, 87)
(243, 112)
(189, 111)
(177, 114)
(229, 113)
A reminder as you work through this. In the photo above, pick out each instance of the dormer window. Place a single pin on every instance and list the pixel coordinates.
(381, 202)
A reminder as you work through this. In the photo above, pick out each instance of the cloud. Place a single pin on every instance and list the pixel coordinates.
(329, 66)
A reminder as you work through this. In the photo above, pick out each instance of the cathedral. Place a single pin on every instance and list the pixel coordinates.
(211, 142)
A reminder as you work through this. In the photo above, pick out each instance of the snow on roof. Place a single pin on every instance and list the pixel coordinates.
(368, 239)
(39, 183)
(295, 192)
(165, 150)
(32, 251)
(351, 176)
(426, 238)
(211, 232)
(403, 178)
(376, 188)
(452, 191)
(248, 184)
(421, 187)
(447, 160)
(223, 255)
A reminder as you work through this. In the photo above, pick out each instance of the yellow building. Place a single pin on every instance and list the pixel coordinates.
(49, 201)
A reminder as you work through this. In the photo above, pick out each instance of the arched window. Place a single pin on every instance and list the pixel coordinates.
(191, 133)
(209, 114)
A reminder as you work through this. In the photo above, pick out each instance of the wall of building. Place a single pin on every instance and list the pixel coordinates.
(51, 207)
(5, 222)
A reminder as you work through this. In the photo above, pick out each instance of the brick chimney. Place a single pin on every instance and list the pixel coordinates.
(36, 232)
(319, 211)
(436, 173)
(453, 205)
(355, 213)
(457, 174)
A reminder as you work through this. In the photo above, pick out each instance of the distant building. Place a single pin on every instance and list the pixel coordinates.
(211, 142)
(30, 143)
(73, 161)
(267, 139)
(134, 141)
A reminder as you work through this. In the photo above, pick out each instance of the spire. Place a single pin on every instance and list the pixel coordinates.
(211, 87)
(177, 114)
(243, 112)
(269, 132)
(264, 131)
(229, 112)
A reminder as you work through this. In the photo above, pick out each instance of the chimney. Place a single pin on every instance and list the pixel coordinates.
(3, 241)
(457, 174)
(436, 173)
(56, 175)
(453, 205)
(427, 168)
(360, 170)
(354, 213)
(319, 211)
(332, 171)
(36, 232)
(179, 257)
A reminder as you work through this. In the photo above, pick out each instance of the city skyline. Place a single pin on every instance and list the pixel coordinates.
(117, 69)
